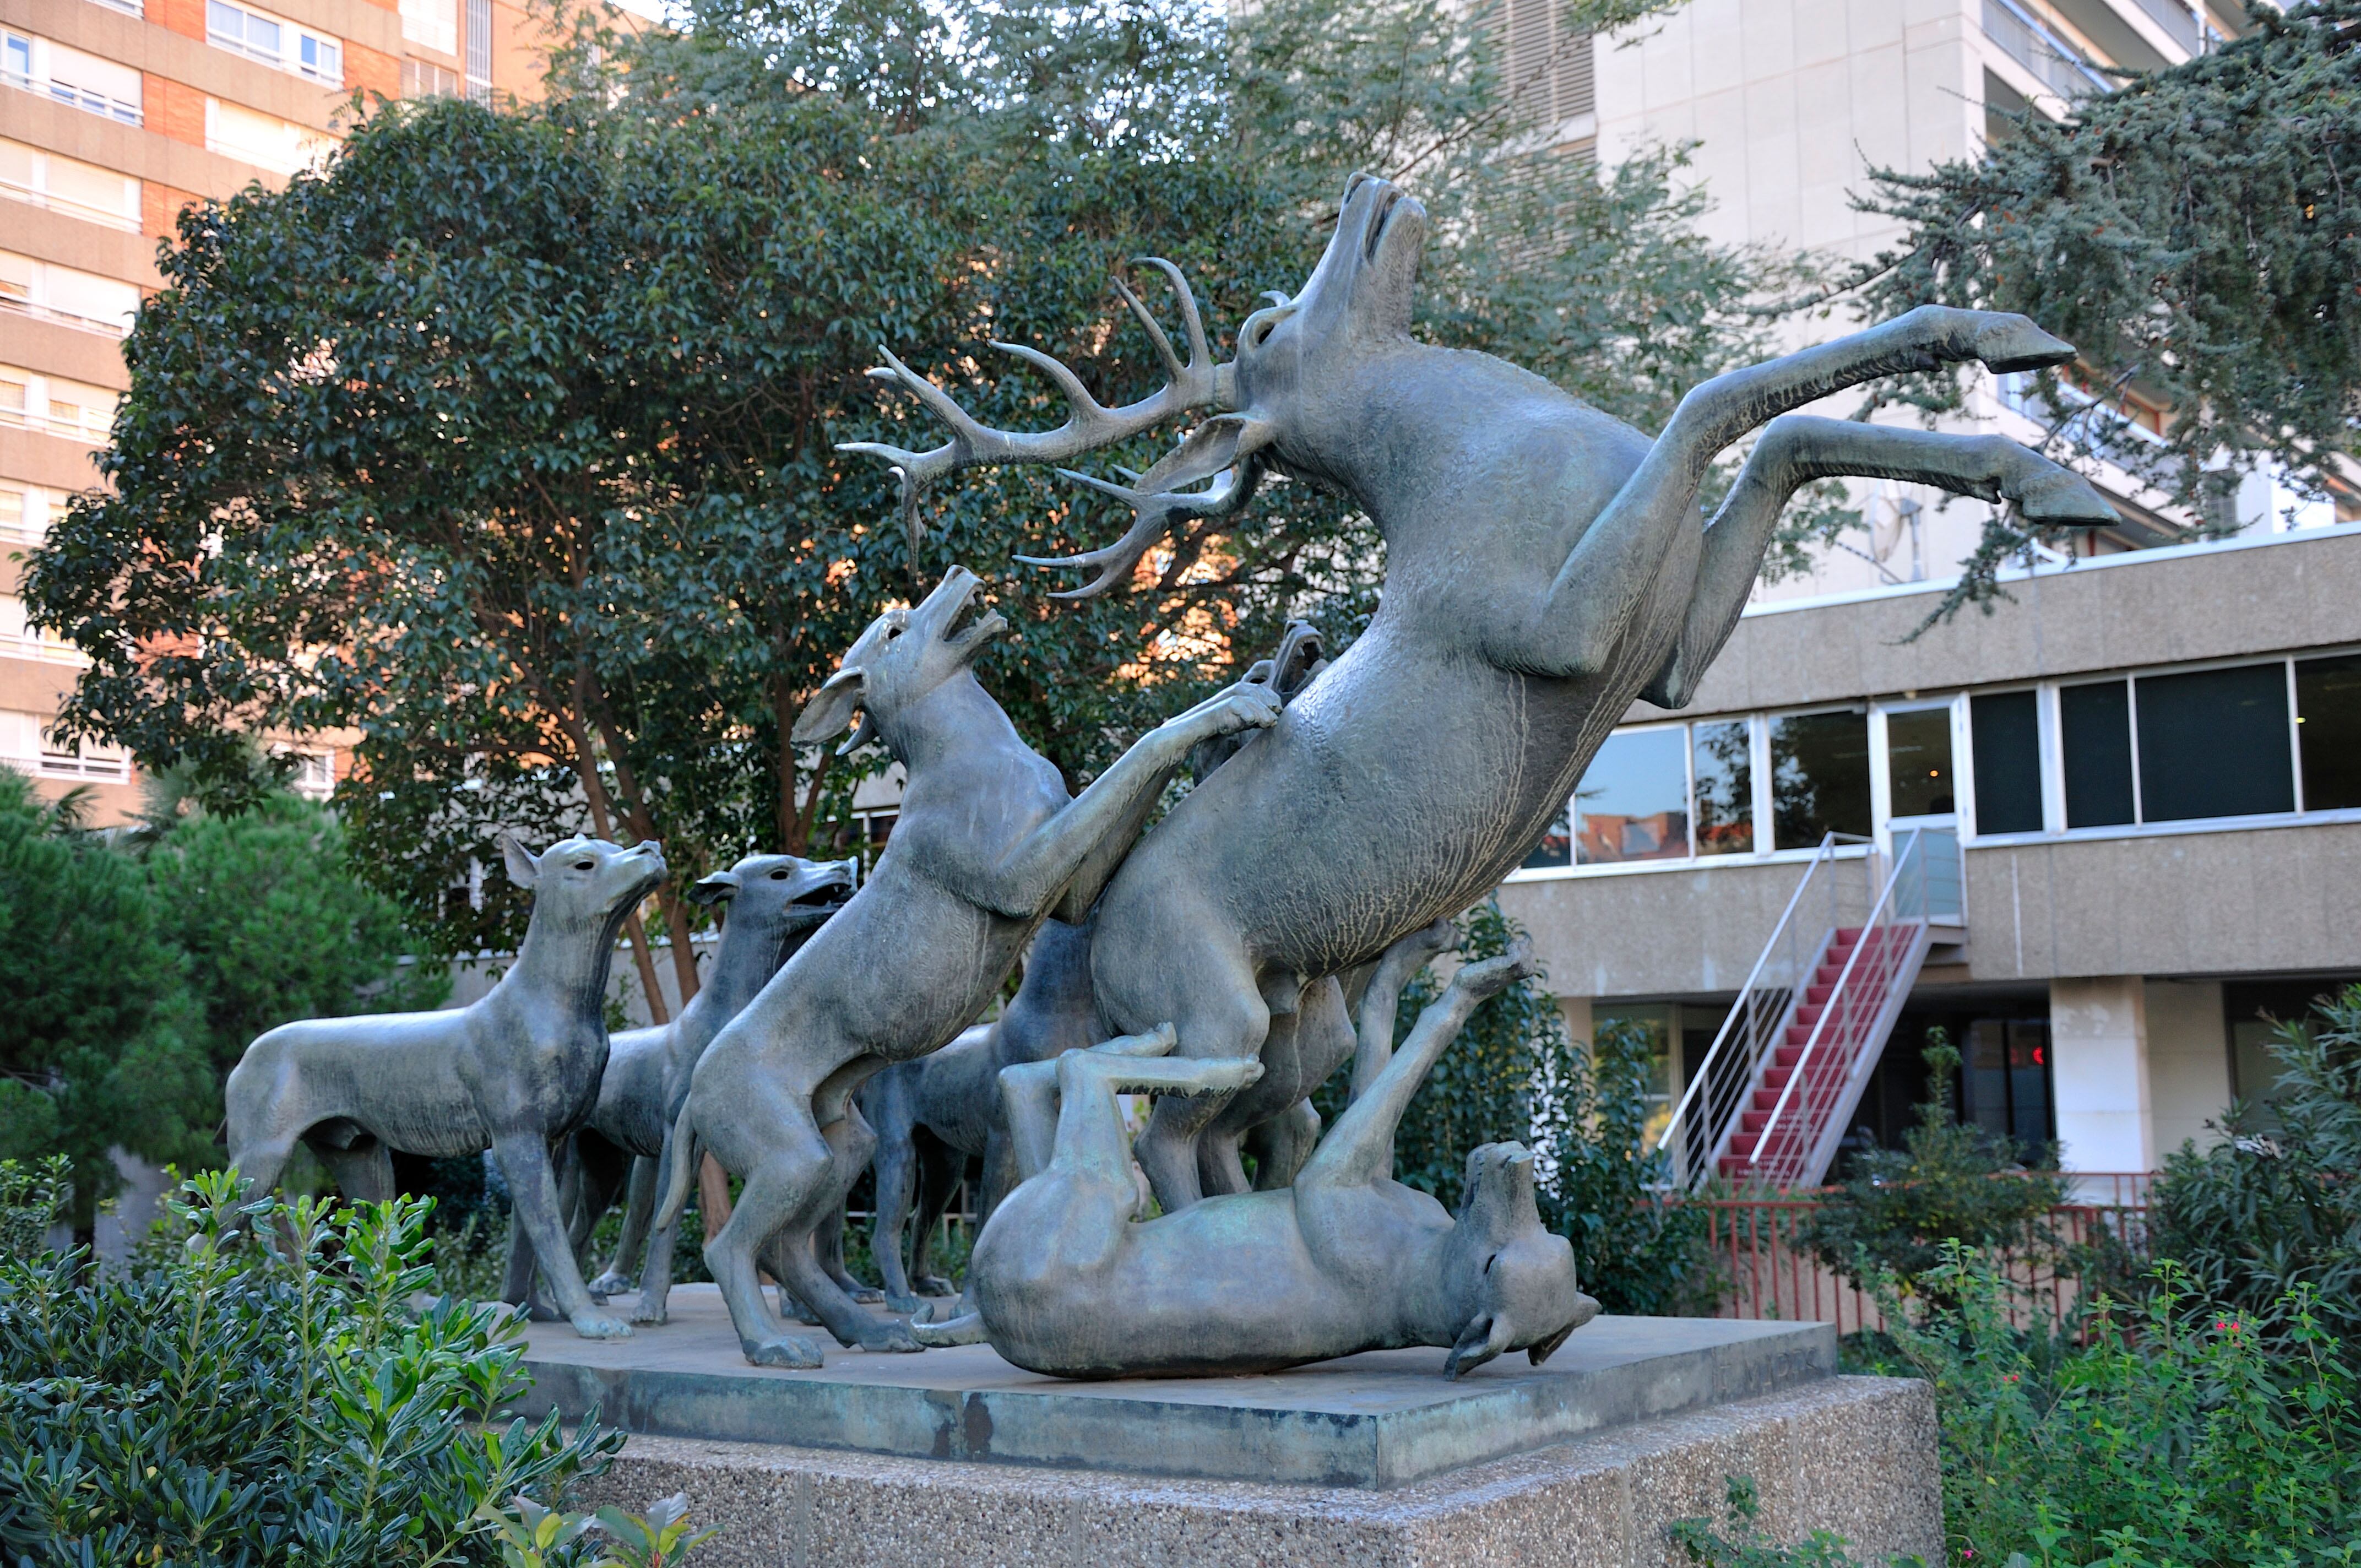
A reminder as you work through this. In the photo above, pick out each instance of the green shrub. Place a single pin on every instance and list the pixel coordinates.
(222, 1402)
(1951, 1182)
(2255, 1218)
(2173, 1436)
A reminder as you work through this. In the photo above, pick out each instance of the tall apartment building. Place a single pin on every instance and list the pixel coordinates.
(114, 116)
(2112, 825)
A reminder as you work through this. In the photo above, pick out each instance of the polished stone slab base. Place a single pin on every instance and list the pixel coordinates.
(1855, 1455)
(1381, 1420)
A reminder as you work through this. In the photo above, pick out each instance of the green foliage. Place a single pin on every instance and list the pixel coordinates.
(530, 418)
(270, 911)
(222, 1403)
(1951, 1182)
(2176, 1437)
(533, 1537)
(1513, 1075)
(2255, 1219)
(98, 1043)
(2196, 234)
(1751, 1547)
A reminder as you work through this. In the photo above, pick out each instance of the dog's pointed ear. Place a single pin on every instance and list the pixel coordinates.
(830, 709)
(1486, 1336)
(714, 888)
(523, 868)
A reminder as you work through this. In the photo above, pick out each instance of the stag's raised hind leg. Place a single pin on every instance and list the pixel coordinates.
(1797, 449)
(1611, 570)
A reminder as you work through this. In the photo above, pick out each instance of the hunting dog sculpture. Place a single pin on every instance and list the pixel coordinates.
(987, 845)
(772, 905)
(1070, 1282)
(932, 1116)
(1543, 569)
(515, 1071)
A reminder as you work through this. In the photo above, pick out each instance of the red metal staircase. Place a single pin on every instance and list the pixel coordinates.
(1771, 1100)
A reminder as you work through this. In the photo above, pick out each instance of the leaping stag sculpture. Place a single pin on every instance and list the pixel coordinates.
(1543, 567)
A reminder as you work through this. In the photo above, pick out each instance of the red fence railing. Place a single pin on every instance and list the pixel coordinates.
(1768, 1272)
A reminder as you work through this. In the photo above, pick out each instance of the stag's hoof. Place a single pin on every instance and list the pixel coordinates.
(2009, 343)
(2065, 499)
(649, 1309)
(792, 1351)
(967, 1329)
(890, 1337)
(598, 1325)
(608, 1284)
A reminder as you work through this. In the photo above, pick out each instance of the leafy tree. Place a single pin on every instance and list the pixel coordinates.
(276, 924)
(98, 1044)
(2256, 1218)
(508, 440)
(1951, 1183)
(2196, 234)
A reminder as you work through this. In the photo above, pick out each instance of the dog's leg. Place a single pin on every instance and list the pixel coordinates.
(1281, 1145)
(895, 1167)
(939, 1169)
(363, 1174)
(849, 1144)
(795, 1160)
(639, 1207)
(532, 1189)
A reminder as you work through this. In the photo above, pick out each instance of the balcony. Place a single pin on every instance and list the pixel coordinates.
(2057, 64)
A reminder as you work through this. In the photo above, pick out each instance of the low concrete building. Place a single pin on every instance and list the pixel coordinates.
(2147, 769)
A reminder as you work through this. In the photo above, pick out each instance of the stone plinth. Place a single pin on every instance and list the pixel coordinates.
(1377, 1419)
(955, 1458)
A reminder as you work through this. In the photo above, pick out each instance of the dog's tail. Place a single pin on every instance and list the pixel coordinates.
(681, 1148)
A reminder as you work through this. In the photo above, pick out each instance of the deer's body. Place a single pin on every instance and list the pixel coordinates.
(1543, 567)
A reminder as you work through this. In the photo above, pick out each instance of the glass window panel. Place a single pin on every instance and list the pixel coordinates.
(1633, 801)
(1556, 848)
(2005, 730)
(2328, 712)
(1819, 777)
(1919, 762)
(1724, 788)
(2214, 743)
(2095, 734)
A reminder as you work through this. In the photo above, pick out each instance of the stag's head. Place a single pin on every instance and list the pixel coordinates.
(1513, 1278)
(1263, 405)
(904, 655)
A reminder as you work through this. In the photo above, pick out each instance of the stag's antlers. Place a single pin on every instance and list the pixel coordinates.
(1090, 425)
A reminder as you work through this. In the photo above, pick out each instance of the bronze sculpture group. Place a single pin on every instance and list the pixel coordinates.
(1543, 569)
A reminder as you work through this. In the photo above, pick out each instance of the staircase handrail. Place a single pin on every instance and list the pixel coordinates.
(1824, 854)
(1828, 1010)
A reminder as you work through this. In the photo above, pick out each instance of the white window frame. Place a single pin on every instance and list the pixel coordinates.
(38, 193)
(295, 38)
(38, 74)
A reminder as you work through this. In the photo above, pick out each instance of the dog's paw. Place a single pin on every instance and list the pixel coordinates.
(791, 1351)
(890, 1337)
(598, 1325)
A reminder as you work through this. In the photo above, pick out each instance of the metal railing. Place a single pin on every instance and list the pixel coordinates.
(2058, 64)
(2179, 22)
(1699, 1129)
(1850, 1018)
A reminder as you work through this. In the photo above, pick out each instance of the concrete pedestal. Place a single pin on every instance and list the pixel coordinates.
(954, 1457)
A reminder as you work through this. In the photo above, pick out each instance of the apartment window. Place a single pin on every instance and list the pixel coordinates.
(1632, 803)
(1918, 763)
(480, 50)
(54, 405)
(2005, 1075)
(314, 774)
(1546, 66)
(26, 511)
(2095, 736)
(28, 641)
(425, 79)
(1722, 758)
(2005, 729)
(62, 184)
(1819, 777)
(264, 140)
(70, 76)
(2214, 743)
(260, 36)
(66, 759)
(2328, 716)
(62, 293)
(432, 24)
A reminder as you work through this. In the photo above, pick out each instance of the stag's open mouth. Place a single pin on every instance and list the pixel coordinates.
(1387, 202)
(972, 623)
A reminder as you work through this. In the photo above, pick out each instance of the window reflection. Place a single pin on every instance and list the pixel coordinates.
(1725, 789)
(1556, 846)
(1632, 803)
(1919, 762)
(1819, 777)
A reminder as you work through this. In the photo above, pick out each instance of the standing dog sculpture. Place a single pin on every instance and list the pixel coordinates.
(986, 847)
(1543, 569)
(774, 904)
(514, 1071)
(1068, 1281)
